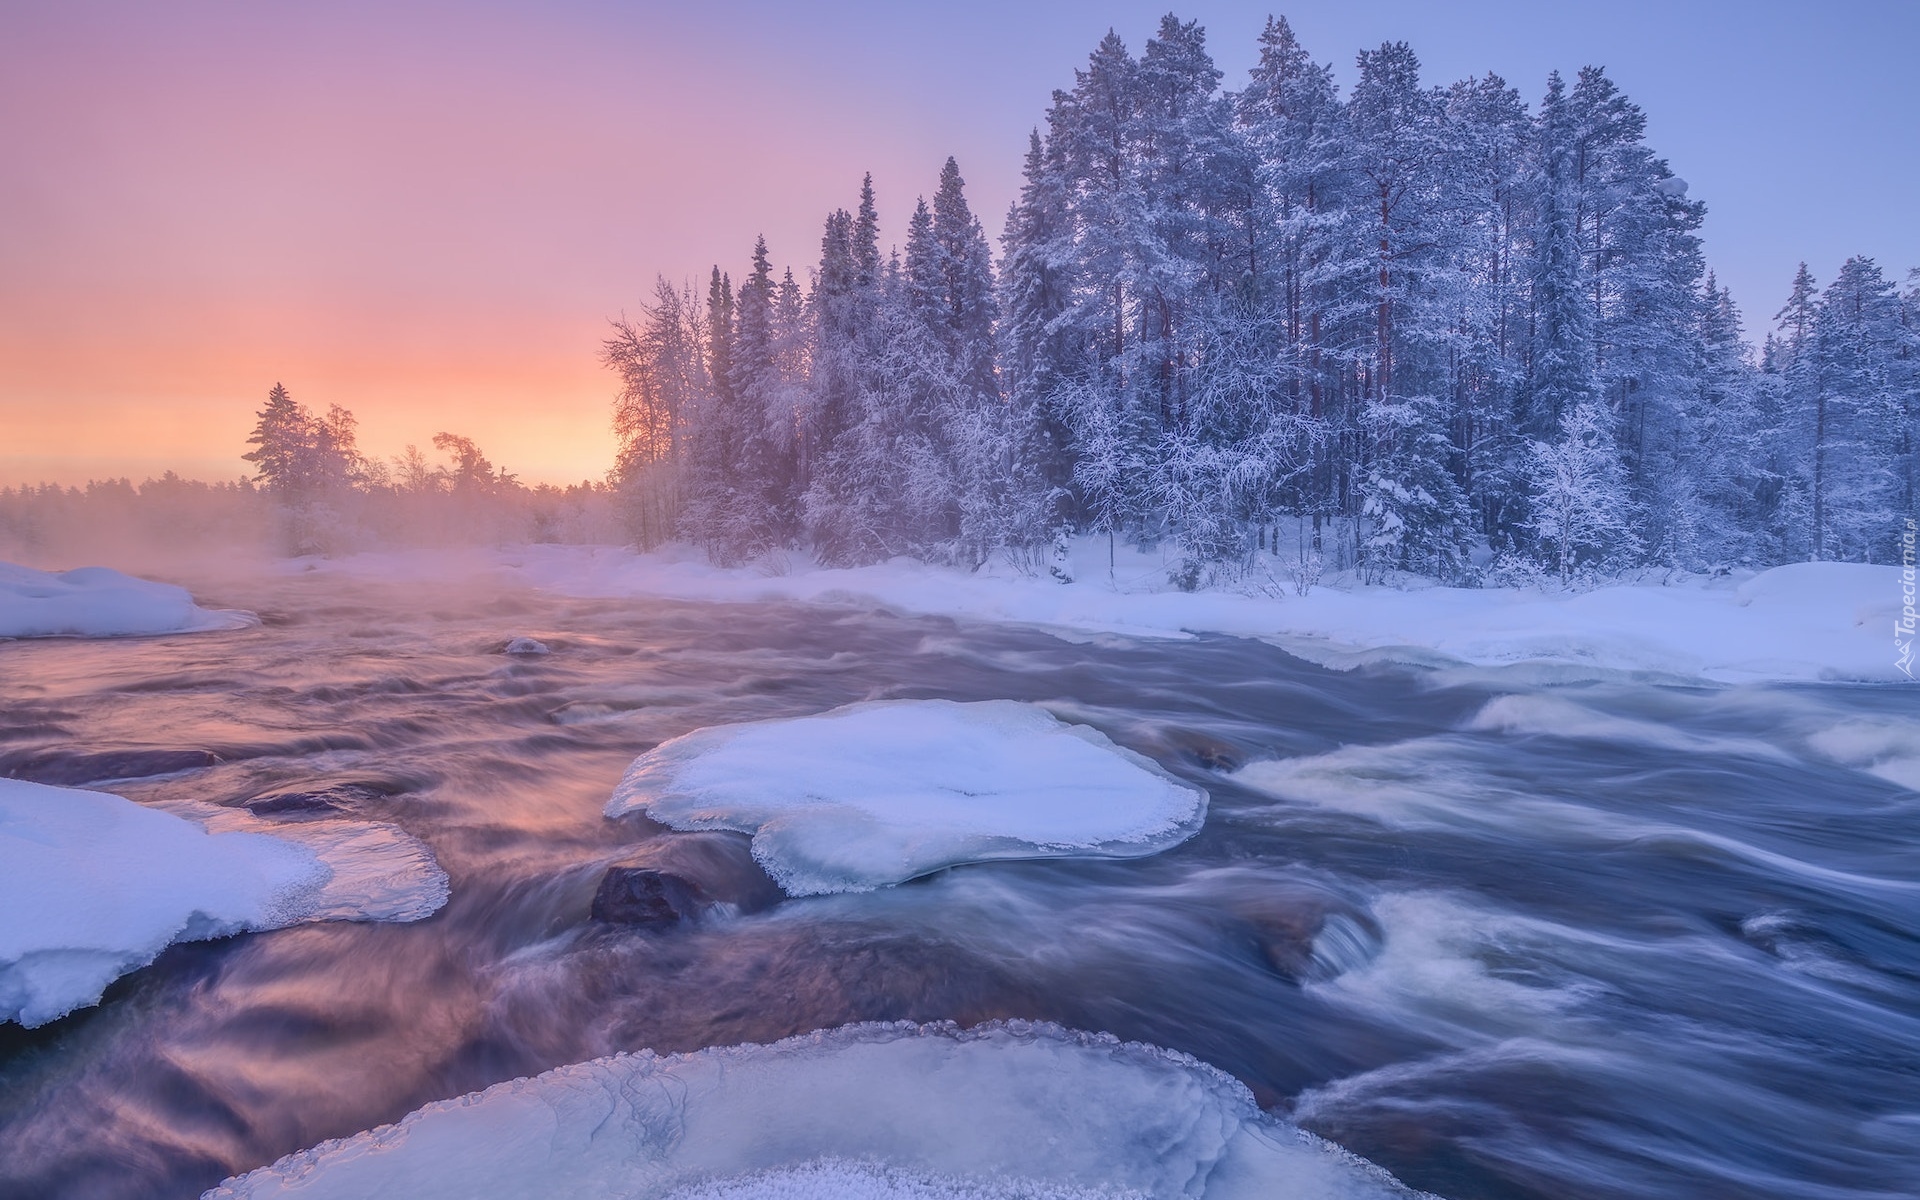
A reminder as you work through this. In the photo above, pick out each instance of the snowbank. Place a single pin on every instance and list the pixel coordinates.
(93, 886)
(876, 794)
(97, 602)
(1000, 1110)
(1809, 621)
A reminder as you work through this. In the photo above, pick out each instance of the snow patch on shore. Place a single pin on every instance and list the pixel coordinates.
(98, 602)
(1808, 621)
(922, 1111)
(876, 794)
(93, 886)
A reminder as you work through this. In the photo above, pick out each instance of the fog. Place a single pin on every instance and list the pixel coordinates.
(166, 524)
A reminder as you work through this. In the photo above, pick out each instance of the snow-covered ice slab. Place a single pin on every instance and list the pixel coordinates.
(879, 793)
(93, 886)
(98, 602)
(997, 1111)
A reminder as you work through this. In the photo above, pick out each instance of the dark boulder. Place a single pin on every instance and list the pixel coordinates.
(718, 862)
(646, 897)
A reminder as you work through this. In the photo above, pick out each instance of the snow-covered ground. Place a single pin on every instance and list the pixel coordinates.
(1808, 621)
(93, 886)
(898, 1111)
(876, 794)
(99, 602)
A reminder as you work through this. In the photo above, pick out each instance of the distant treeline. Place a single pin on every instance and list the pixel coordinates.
(1430, 323)
(313, 493)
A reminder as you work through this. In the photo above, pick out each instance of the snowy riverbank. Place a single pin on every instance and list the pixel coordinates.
(98, 602)
(1803, 622)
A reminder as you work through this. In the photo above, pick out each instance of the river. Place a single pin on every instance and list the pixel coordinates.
(1504, 938)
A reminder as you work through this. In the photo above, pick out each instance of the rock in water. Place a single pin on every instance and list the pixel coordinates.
(525, 645)
(646, 897)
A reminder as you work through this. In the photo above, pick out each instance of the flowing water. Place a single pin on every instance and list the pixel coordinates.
(1504, 938)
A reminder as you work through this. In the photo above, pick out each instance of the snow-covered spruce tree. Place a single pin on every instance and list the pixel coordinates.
(1419, 518)
(1039, 352)
(958, 306)
(711, 437)
(886, 486)
(1736, 447)
(1791, 370)
(1560, 365)
(310, 466)
(283, 438)
(753, 509)
(1862, 381)
(921, 463)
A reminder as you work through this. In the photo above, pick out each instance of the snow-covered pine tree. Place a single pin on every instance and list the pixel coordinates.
(1482, 326)
(1291, 117)
(1643, 279)
(1862, 361)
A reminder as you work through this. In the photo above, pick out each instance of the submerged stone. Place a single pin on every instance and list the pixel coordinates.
(74, 768)
(646, 897)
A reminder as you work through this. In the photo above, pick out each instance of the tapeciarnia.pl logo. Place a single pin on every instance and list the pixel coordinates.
(1903, 629)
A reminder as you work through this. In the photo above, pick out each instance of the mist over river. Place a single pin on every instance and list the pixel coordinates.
(1504, 937)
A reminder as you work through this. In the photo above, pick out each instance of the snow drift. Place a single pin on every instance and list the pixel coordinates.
(1806, 621)
(876, 794)
(98, 602)
(93, 886)
(1000, 1110)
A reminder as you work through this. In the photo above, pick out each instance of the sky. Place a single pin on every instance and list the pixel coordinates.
(428, 212)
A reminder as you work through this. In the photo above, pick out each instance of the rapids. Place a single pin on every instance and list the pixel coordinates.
(1506, 939)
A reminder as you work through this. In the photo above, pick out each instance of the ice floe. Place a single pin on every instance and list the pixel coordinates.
(93, 886)
(98, 602)
(878, 793)
(898, 1111)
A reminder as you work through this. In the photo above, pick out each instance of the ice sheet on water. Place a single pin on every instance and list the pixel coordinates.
(93, 886)
(98, 602)
(878, 793)
(843, 1179)
(899, 1111)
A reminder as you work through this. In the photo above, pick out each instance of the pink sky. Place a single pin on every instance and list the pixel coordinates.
(426, 213)
(425, 220)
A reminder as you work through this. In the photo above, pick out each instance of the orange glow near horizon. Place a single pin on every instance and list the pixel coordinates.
(425, 220)
(542, 415)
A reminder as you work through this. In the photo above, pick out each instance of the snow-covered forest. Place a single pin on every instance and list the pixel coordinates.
(1412, 328)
